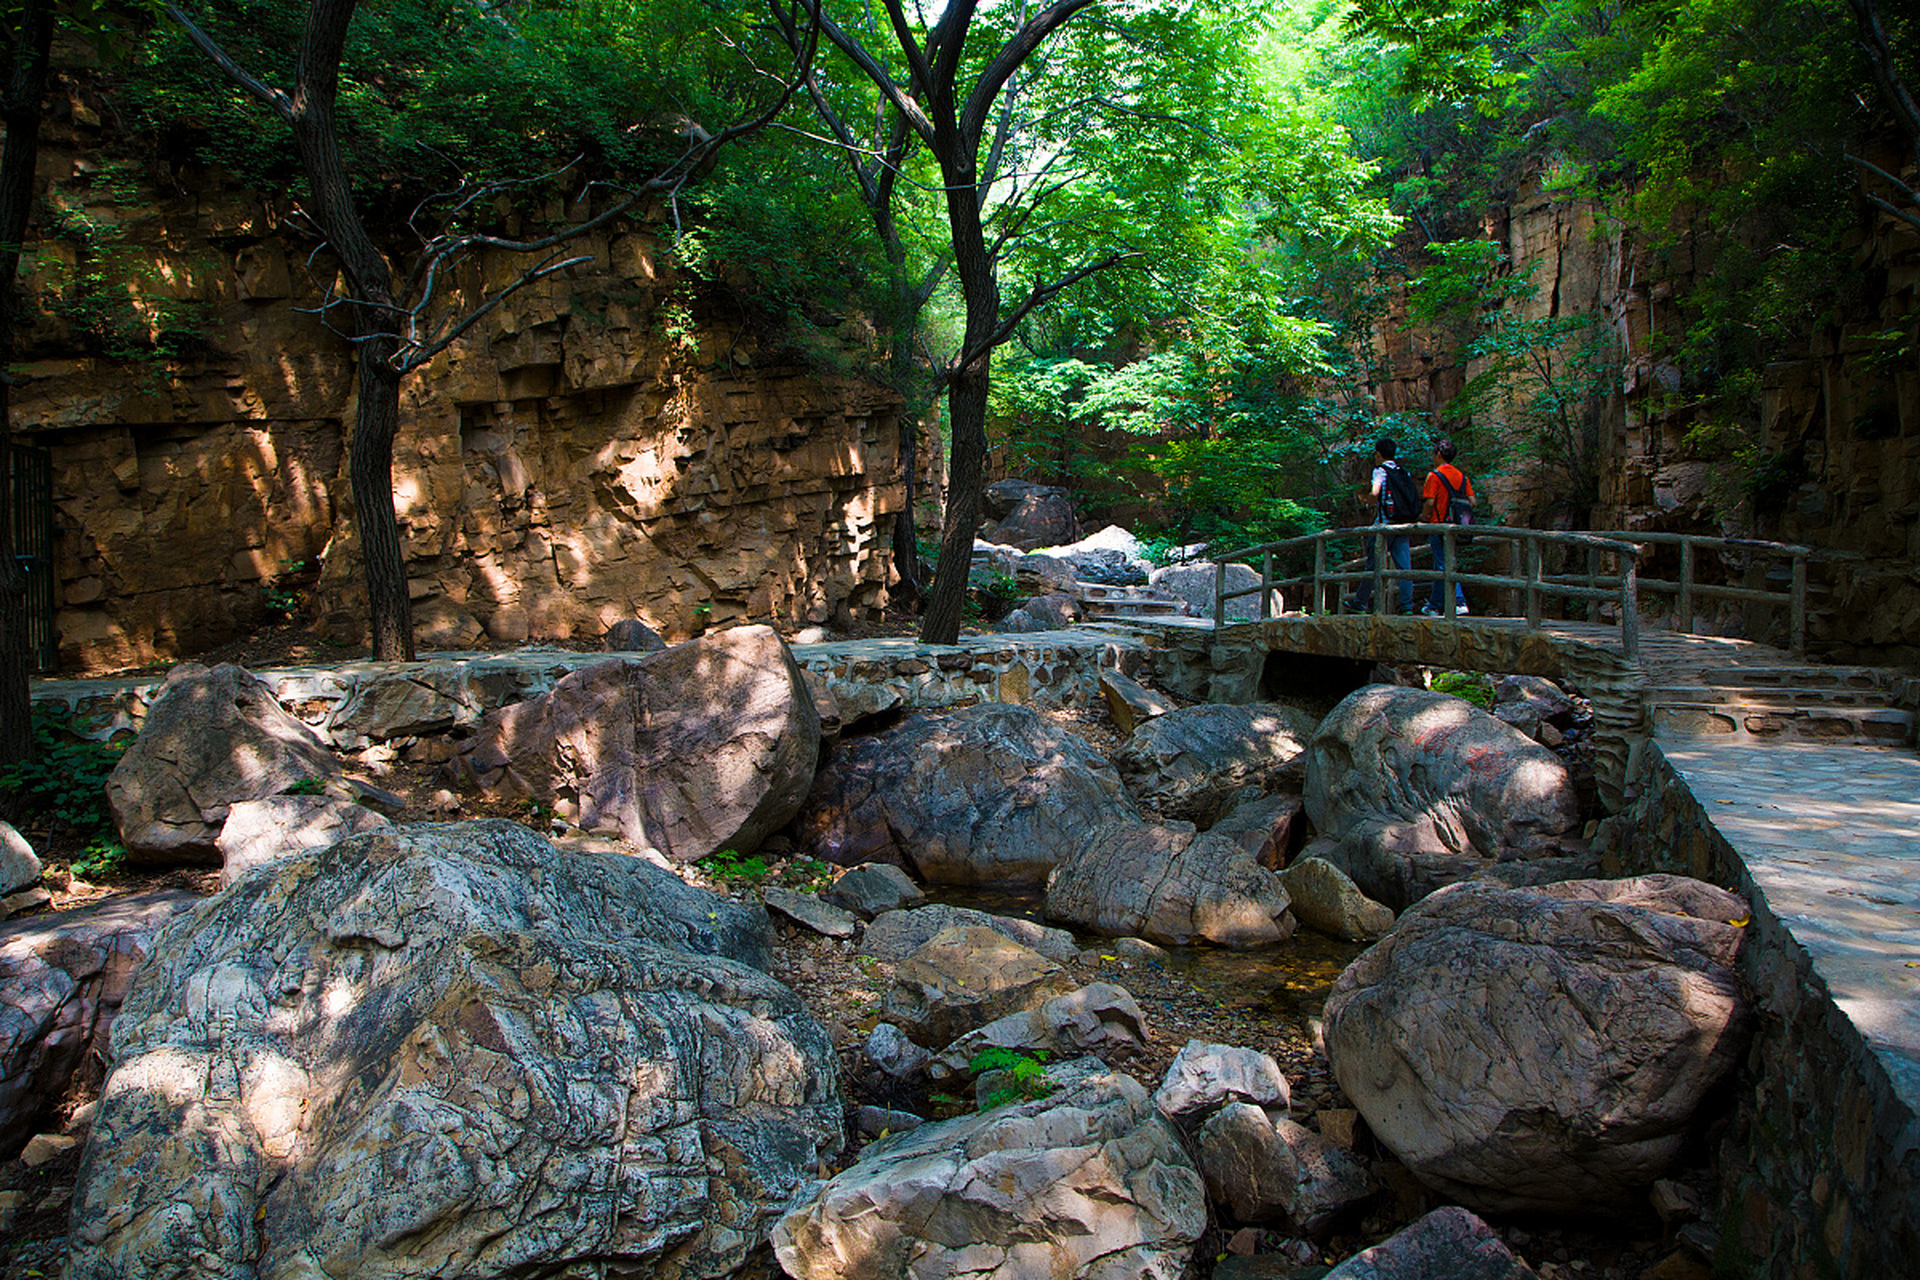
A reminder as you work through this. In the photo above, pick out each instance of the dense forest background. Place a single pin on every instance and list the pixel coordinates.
(1178, 256)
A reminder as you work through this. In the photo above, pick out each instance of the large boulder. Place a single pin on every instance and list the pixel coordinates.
(1192, 763)
(1086, 1183)
(1163, 883)
(1262, 1167)
(1543, 1049)
(63, 977)
(965, 977)
(707, 746)
(1197, 585)
(212, 737)
(993, 794)
(1041, 518)
(431, 1051)
(1411, 790)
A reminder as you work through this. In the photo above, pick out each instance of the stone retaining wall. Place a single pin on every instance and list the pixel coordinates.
(1820, 1168)
(356, 704)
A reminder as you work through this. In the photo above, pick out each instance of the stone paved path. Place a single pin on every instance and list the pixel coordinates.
(1831, 836)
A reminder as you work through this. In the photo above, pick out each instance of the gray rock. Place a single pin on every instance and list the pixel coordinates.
(1449, 1243)
(1163, 883)
(1265, 1169)
(63, 977)
(1001, 498)
(993, 794)
(873, 888)
(454, 1050)
(1097, 1016)
(1263, 826)
(260, 831)
(1195, 584)
(1042, 518)
(1543, 1049)
(965, 978)
(1204, 1077)
(878, 1122)
(1050, 612)
(212, 738)
(1531, 704)
(895, 935)
(1130, 703)
(631, 635)
(888, 1048)
(1326, 899)
(1419, 789)
(19, 864)
(806, 910)
(707, 746)
(1191, 763)
(1088, 1181)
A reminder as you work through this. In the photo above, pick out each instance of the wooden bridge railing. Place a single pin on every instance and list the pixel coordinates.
(1611, 573)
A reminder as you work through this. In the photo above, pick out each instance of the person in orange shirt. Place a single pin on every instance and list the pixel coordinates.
(1446, 489)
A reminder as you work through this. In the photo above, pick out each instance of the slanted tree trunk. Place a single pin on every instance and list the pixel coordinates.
(376, 326)
(26, 81)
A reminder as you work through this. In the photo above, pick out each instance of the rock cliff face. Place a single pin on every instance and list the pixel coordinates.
(1834, 458)
(590, 451)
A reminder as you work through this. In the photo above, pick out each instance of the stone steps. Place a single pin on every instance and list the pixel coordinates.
(1752, 721)
(1100, 600)
(1770, 695)
(1806, 677)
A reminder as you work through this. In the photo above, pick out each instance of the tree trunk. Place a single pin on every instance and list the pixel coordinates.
(26, 81)
(376, 321)
(966, 398)
(370, 476)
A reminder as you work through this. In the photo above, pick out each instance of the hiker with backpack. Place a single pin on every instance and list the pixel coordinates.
(1395, 501)
(1447, 498)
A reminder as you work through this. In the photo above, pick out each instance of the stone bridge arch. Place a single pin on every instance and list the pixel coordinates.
(1255, 661)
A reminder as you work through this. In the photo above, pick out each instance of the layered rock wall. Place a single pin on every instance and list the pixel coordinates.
(598, 447)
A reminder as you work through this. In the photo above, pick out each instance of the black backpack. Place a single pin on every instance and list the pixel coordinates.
(1399, 500)
(1459, 509)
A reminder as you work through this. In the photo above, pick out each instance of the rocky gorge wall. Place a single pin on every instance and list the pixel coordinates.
(1832, 453)
(600, 447)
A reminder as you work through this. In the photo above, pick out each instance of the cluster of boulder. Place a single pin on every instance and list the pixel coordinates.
(459, 1049)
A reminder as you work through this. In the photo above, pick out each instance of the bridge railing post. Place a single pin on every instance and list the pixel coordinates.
(1266, 585)
(1533, 581)
(1220, 593)
(1593, 583)
(1797, 621)
(1379, 572)
(1630, 606)
(1684, 608)
(1320, 574)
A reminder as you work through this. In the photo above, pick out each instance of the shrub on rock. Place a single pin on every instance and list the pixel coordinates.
(454, 1050)
(1543, 1049)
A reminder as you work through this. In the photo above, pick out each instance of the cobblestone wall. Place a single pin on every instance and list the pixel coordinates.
(1820, 1167)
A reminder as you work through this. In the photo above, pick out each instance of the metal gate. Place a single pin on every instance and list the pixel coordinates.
(29, 477)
